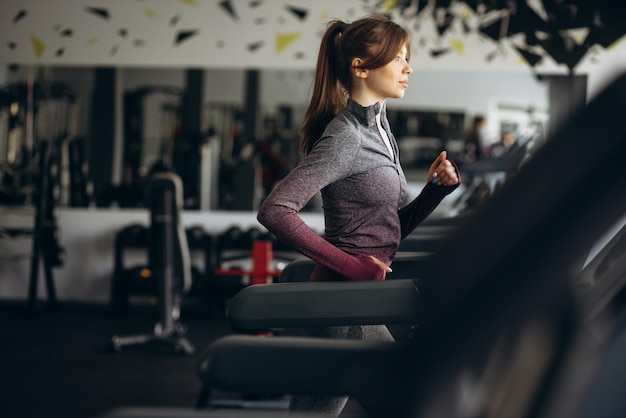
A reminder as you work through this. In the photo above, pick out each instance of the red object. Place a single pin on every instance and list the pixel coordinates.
(261, 259)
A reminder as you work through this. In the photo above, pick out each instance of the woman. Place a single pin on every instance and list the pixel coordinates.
(352, 157)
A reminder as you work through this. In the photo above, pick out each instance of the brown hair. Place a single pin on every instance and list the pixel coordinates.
(375, 39)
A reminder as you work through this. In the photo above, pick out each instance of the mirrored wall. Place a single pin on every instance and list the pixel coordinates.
(230, 134)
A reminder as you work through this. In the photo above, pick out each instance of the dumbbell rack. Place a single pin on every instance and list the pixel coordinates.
(261, 264)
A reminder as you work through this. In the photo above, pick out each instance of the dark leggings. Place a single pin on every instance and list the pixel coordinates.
(334, 405)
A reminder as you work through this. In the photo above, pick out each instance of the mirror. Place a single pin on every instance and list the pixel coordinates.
(230, 159)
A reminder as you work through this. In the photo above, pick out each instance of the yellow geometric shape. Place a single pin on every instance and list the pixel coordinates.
(465, 12)
(149, 13)
(284, 39)
(388, 5)
(190, 2)
(91, 41)
(38, 45)
(458, 46)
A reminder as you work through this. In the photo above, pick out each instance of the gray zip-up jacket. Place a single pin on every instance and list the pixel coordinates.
(363, 191)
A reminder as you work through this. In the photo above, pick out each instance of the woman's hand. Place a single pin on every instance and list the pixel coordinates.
(442, 172)
(385, 267)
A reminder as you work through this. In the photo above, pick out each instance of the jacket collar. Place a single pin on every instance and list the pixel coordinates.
(366, 115)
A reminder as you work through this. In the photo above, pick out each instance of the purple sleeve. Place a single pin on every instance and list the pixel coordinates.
(328, 162)
(423, 205)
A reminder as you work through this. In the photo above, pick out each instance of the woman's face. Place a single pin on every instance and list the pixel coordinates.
(392, 79)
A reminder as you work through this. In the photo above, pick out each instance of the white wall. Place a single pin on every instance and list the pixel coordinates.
(88, 236)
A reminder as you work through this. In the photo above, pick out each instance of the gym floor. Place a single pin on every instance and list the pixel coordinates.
(57, 362)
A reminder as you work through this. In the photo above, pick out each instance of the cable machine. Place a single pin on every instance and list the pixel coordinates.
(40, 167)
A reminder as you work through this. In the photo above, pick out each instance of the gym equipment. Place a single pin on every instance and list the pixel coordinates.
(135, 278)
(497, 297)
(261, 264)
(46, 246)
(169, 262)
(57, 118)
(41, 119)
(475, 174)
(130, 279)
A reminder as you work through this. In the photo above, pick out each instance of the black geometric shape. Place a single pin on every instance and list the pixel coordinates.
(12, 45)
(255, 46)
(531, 38)
(466, 28)
(183, 35)
(562, 51)
(67, 33)
(446, 4)
(492, 55)
(59, 52)
(174, 20)
(122, 32)
(435, 53)
(299, 13)
(99, 11)
(493, 30)
(447, 21)
(565, 15)
(473, 5)
(255, 3)
(604, 37)
(525, 20)
(227, 5)
(19, 16)
(531, 58)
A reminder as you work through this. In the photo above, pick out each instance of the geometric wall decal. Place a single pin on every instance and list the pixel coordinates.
(38, 46)
(255, 46)
(20, 15)
(99, 11)
(284, 39)
(530, 57)
(439, 52)
(227, 5)
(552, 36)
(564, 30)
(150, 13)
(458, 45)
(299, 13)
(184, 35)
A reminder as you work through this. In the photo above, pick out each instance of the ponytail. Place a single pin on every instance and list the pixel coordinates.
(329, 96)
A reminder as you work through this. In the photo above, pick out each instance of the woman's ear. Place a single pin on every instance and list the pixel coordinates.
(357, 70)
